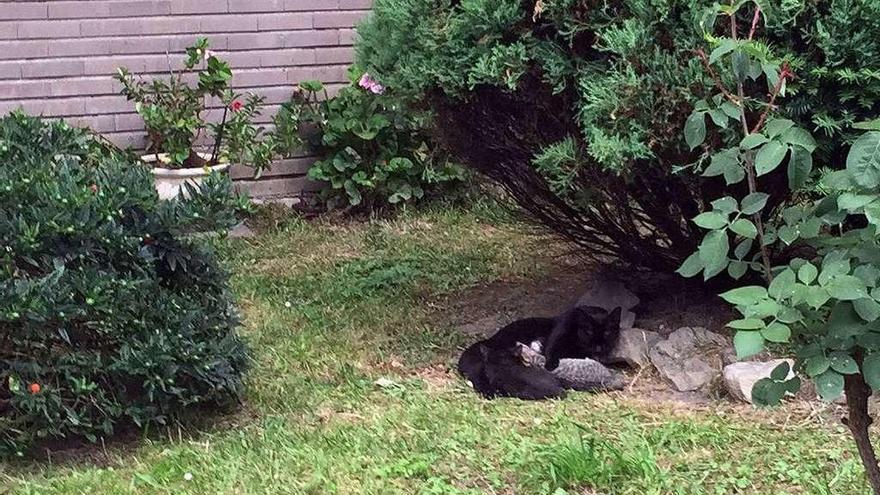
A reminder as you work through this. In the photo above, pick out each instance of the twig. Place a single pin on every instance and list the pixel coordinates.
(718, 83)
(755, 22)
(784, 74)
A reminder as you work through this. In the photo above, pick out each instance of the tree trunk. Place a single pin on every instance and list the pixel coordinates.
(857, 394)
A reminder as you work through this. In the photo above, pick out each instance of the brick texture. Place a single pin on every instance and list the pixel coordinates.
(57, 58)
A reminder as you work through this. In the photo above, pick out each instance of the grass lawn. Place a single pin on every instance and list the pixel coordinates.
(332, 307)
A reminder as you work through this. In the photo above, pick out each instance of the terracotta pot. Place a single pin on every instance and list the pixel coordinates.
(169, 181)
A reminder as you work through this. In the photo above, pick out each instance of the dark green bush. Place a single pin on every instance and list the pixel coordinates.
(370, 150)
(109, 314)
(576, 106)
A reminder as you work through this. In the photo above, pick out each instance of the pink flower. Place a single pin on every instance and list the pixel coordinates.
(235, 106)
(367, 82)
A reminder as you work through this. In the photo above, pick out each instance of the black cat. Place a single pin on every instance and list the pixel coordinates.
(583, 332)
(495, 364)
(505, 375)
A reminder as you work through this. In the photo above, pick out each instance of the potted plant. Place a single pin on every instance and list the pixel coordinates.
(184, 147)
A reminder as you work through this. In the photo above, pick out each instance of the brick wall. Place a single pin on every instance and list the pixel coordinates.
(57, 57)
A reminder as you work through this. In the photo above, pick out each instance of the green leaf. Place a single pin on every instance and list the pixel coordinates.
(843, 363)
(783, 285)
(695, 129)
(798, 137)
(844, 322)
(868, 273)
(852, 202)
(868, 309)
(726, 46)
(816, 365)
(745, 228)
(736, 269)
(871, 371)
(776, 332)
(753, 203)
(832, 265)
(829, 385)
(748, 343)
(744, 296)
(719, 117)
(871, 125)
(752, 141)
(846, 288)
(769, 157)
(713, 252)
(863, 160)
(776, 127)
(740, 63)
(817, 297)
(726, 163)
(711, 220)
(731, 110)
(807, 273)
(725, 205)
(746, 324)
(788, 234)
(800, 166)
(781, 371)
(743, 248)
(691, 266)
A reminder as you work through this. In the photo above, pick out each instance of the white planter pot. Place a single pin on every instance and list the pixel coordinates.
(169, 181)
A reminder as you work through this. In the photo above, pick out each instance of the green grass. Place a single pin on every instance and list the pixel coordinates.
(331, 307)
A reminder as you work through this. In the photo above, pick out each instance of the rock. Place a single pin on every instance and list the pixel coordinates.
(241, 231)
(740, 378)
(691, 358)
(633, 347)
(609, 294)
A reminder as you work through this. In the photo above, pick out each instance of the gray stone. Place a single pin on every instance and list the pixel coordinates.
(740, 378)
(691, 358)
(241, 231)
(633, 347)
(609, 294)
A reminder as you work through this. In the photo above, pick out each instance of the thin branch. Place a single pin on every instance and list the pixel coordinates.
(718, 83)
(755, 22)
(784, 74)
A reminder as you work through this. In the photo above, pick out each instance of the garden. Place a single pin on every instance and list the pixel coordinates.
(562, 247)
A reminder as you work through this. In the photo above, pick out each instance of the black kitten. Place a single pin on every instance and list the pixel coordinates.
(505, 375)
(494, 364)
(583, 332)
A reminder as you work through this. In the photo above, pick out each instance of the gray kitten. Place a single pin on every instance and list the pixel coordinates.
(576, 374)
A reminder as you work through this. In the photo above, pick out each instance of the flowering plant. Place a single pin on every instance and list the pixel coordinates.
(174, 112)
(370, 150)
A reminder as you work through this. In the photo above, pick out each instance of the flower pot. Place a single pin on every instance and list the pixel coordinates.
(169, 181)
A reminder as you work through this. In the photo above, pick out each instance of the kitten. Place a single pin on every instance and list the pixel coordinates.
(580, 332)
(506, 376)
(584, 375)
(583, 332)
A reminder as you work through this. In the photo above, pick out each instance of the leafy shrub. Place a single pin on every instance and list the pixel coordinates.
(109, 315)
(576, 106)
(370, 149)
(174, 114)
(815, 245)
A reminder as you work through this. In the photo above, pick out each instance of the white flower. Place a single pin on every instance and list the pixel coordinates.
(188, 476)
(287, 304)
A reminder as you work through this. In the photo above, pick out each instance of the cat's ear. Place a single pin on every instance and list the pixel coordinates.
(612, 321)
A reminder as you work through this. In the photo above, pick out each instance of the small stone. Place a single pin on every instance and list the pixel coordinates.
(691, 358)
(633, 347)
(609, 294)
(241, 231)
(740, 378)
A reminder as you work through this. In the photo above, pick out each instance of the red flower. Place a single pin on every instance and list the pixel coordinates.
(34, 388)
(235, 106)
(94, 188)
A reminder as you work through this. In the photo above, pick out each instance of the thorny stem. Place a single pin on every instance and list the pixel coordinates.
(750, 162)
(755, 22)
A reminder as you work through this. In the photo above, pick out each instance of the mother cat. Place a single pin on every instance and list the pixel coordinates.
(494, 368)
